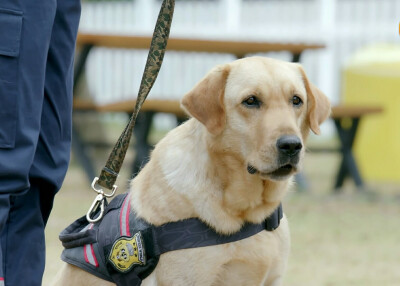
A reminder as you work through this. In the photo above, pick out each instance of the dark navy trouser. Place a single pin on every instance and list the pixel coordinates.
(37, 42)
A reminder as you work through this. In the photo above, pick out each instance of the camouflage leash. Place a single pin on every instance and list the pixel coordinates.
(155, 57)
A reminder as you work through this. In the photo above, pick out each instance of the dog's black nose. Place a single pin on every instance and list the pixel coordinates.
(289, 145)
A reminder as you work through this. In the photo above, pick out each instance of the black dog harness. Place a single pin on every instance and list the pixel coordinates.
(124, 249)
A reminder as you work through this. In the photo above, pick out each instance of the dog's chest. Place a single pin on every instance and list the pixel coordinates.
(244, 262)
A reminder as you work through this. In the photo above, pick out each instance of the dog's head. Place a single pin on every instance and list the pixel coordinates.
(261, 110)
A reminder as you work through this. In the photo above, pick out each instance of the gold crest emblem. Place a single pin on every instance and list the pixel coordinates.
(126, 252)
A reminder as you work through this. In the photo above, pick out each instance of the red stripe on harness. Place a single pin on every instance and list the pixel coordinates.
(96, 263)
(128, 209)
(84, 253)
(124, 217)
(92, 259)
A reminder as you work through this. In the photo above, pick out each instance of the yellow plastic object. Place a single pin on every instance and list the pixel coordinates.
(372, 78)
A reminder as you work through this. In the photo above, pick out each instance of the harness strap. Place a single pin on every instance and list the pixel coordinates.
(78, 234)
(193, 233)
(184, 234)
(98, 248)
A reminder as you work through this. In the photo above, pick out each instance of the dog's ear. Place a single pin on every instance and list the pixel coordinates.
(318, 107)
(205, 101)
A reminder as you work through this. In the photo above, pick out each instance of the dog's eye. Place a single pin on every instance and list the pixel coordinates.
(296, 101)
(252, 102)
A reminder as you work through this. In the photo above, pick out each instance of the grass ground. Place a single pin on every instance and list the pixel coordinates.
(337, 239)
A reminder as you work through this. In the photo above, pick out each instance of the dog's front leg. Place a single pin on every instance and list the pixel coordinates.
(70, 275)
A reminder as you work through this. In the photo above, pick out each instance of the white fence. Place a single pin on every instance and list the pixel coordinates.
(342, 25)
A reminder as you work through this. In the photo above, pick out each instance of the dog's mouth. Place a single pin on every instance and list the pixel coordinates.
(278, 174)
(282, 171)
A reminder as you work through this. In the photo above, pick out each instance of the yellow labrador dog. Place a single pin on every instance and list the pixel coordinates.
(231, 163)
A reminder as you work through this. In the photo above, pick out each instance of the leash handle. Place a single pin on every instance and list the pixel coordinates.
(155, 58)
(110, 172)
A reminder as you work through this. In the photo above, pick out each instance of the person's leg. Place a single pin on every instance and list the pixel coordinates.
(25, 33)
(23, 246)
(53, 150)
(25, 30)
(4, 209)
(29, 213)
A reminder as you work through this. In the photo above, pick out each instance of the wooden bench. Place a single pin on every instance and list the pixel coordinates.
(86, 42)
(153, 105)
(339, 112)
(237, 48)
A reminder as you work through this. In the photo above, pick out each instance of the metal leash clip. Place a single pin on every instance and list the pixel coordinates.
(99, 201)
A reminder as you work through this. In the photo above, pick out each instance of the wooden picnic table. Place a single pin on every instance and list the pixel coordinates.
(87, 42)
(347, 119)
(237, 48)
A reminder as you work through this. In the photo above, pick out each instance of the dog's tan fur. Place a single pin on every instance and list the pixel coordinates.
(200, 170)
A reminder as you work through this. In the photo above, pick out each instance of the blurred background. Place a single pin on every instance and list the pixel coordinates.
(344, 210)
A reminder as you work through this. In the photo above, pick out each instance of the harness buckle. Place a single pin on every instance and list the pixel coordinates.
(100, 191)
(98, 202)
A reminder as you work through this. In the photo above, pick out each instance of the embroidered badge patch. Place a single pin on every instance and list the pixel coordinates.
(127, 252)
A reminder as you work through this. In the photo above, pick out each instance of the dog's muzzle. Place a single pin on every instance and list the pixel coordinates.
(289, 147)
